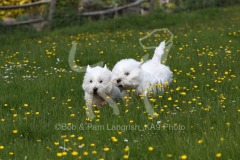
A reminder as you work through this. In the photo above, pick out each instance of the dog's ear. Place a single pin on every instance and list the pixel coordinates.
(88, 68)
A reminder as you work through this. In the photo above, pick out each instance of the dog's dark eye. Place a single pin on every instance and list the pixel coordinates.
(90, 81)
(127, 73)
(100, 81)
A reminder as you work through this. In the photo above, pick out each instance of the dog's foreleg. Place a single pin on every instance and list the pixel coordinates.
(111, 103)
(89, 110)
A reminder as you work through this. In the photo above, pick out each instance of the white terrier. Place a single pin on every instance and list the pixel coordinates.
(99, 89)
(144, 77)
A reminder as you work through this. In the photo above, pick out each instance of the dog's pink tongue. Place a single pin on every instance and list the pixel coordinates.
(101, 103)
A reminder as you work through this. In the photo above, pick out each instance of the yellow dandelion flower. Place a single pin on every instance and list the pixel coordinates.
(1, 147)
(72, 135)
(85, 153)
(106, 149)
(15, 131)
(66, 140)
(183, 156)
(169, 98)
(25, 105)
(152, 99)
(126, 149)
(150, 148)
(183, 93)
(150, 118)
(228, 124)
(37, 113)
(11, 153)
(200, 141)
(131, 121)
(64, 153)
(169, 155)
(218, 155)
(119, 132)
(222, 139)
(59, 154)
(114, 139)
(92, 145)
(125, 156)
(74, 153)
(63, 136)
(94, 152)
(83, 144)
(27, 113)
(80, 138)
(56, 143)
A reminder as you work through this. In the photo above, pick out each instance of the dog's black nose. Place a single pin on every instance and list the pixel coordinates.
(118, 80)
(95, 89)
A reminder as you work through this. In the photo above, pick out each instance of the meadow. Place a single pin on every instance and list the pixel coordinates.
(42, 108)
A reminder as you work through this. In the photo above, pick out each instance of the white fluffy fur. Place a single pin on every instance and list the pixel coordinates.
(144, 77)
(100, 79)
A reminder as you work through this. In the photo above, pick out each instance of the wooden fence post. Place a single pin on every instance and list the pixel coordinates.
(151, 8)
(51, 12)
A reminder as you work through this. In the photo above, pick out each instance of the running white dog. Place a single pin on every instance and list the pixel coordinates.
(144, 77)
(99, 89)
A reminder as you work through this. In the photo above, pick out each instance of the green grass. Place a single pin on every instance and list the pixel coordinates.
(199, 112)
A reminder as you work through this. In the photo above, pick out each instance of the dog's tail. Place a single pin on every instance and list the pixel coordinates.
(159, 51)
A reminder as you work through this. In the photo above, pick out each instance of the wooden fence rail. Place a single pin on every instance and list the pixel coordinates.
(112, 10)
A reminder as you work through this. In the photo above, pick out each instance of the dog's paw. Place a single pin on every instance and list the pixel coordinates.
(90, 114)
(115, 110)
(150, 111)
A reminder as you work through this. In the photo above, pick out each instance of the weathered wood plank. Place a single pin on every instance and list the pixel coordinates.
(112, 10)
(38, 20)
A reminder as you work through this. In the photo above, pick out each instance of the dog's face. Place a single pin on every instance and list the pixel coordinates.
(127, 74)
(97, 80)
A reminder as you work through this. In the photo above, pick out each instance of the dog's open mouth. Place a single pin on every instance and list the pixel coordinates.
(120, 86)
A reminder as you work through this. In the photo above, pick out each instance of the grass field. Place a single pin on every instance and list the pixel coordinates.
(42, 113)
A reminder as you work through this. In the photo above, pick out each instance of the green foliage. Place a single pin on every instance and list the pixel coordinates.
(199, 4)
(39, 91)
(16, 13)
